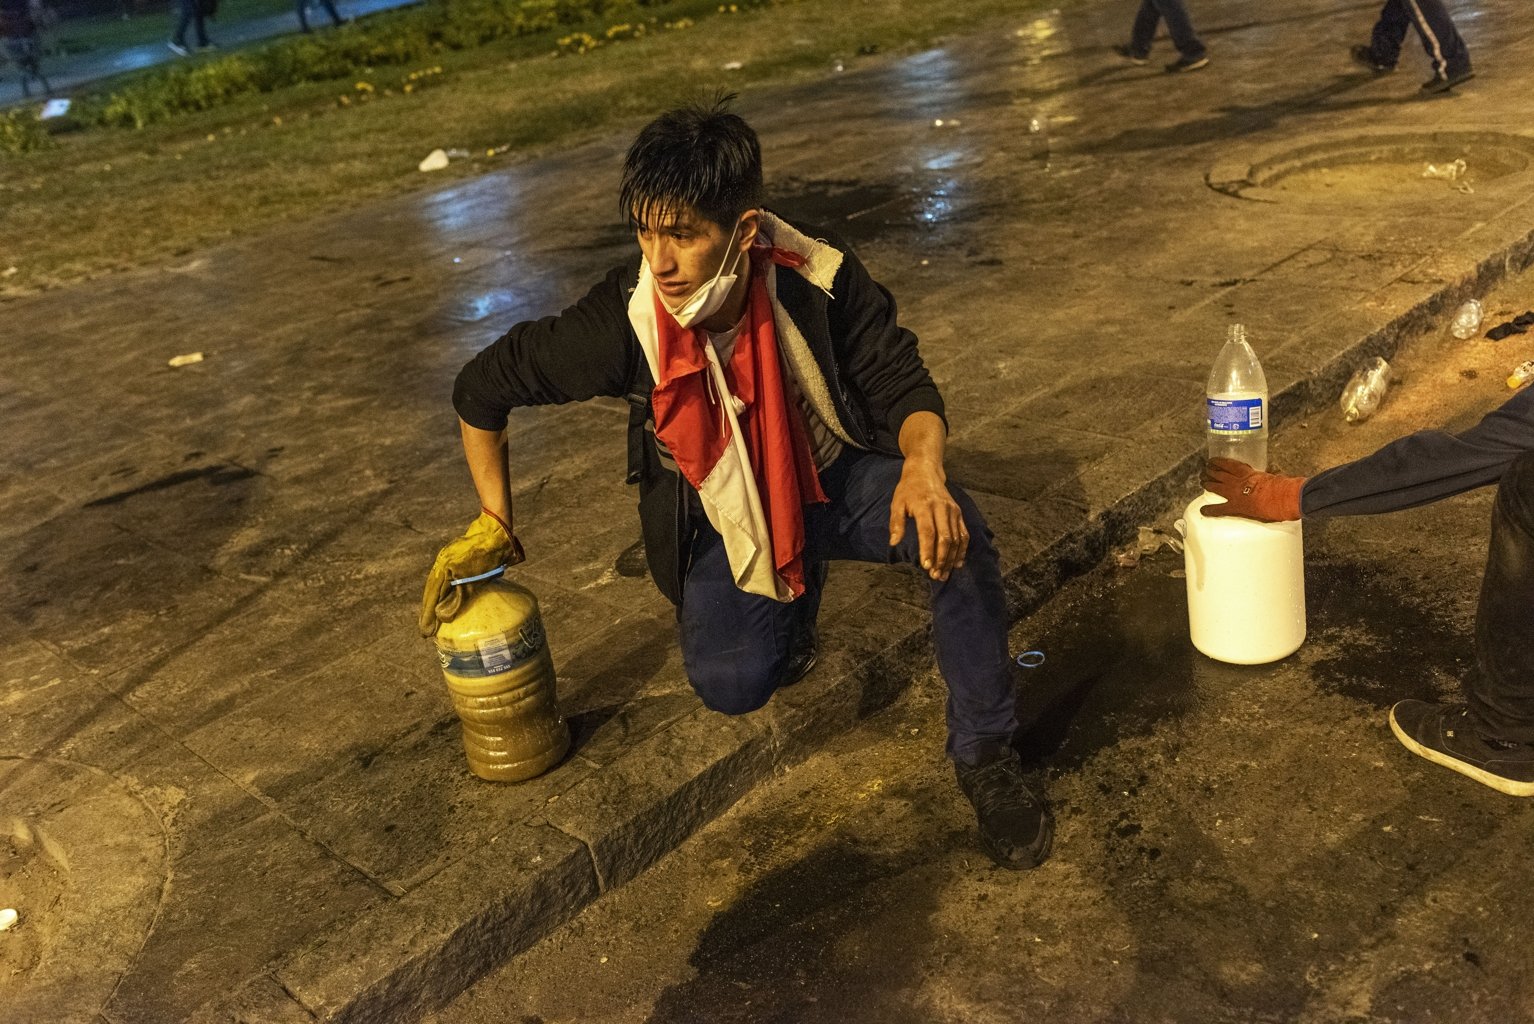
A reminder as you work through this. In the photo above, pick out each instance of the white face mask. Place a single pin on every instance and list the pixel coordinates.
(705, 302)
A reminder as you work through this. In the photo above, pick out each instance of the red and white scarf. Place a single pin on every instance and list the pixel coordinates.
(749, 457)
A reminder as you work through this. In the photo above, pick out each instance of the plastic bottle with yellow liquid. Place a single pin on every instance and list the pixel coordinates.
(495, 657)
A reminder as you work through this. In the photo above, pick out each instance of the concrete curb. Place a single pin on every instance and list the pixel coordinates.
(415, 953)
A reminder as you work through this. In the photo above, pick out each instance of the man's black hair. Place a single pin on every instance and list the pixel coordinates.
(699, 156)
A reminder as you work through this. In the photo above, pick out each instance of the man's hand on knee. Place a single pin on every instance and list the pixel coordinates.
(922, 496)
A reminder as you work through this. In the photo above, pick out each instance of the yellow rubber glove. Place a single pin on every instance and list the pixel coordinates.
(485, 544)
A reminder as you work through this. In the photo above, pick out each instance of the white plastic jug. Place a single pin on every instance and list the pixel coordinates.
(1246, 585)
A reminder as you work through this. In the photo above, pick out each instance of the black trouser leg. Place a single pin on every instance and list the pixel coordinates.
(1390, 31)
(1502, 694)
(1445, 49)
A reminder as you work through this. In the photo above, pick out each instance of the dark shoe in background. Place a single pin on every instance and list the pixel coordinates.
(1124, 50)
(1016, 828)
(1444, 734)
(1365, 55)
(1182, 64)
(1443, 83)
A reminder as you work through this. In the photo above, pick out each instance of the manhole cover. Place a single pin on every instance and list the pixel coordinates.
(1379, 168)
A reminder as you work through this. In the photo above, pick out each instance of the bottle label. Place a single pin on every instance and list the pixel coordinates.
(1235, 415)
(495, 654)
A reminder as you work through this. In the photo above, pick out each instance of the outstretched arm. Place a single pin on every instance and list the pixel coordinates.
(1426, 466)
(1414, 470)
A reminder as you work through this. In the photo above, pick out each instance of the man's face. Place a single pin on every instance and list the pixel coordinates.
(685, 250)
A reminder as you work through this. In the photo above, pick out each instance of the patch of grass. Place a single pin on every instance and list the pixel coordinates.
(105, 201)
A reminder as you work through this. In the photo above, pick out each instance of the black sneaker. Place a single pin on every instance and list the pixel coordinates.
(1188, 64)
(1016, 828)
(802, 658)
(806, 637)
(1124, 50)
(1443, 734)
(1443, 83)
(1365, 55)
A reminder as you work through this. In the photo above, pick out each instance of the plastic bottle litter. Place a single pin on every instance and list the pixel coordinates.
(1521, 375)
(1446, 172)
(1237, 403)
(1365, 391)
(1467, 320)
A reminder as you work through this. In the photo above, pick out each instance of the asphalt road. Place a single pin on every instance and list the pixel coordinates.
(1243, 844)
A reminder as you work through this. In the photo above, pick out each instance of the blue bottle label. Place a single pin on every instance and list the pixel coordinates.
(495, 654)
(1235, 415)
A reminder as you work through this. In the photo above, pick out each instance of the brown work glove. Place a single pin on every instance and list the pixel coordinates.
(485, 545)
(1265, 497)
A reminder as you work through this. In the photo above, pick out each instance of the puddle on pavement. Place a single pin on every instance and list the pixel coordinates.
(862, 212)
(1119, 663)
(1370, 641)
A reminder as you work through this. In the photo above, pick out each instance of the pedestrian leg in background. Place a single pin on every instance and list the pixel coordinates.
(969, 631)
(1491, 737)
(190, 14)
(330, 9)
(26, 54)
(1446, 50)
(1192, 54)
(23, 43)
(1389, 33)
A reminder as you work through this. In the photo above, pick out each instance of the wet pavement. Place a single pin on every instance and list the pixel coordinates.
(1234, 843)
(67, 73)
(211, 571)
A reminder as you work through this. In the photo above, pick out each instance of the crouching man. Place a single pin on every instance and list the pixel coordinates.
(780, 418)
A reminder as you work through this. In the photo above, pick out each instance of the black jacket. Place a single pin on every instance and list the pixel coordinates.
(873, 375)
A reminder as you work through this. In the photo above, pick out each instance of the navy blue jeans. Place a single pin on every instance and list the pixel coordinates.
(1445, 49)
(735, 645)
(1178, 26)
(1501, 696)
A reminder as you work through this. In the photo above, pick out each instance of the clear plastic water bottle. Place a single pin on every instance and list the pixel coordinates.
(1237, 403)
(1467, 320)
(1365, 391)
